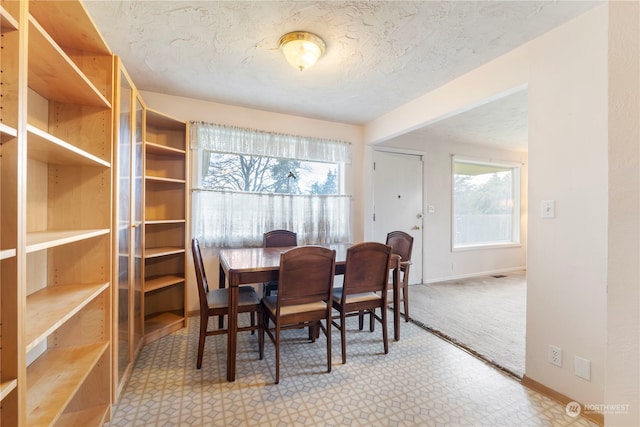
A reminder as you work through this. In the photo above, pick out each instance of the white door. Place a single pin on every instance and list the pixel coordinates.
(397, 199)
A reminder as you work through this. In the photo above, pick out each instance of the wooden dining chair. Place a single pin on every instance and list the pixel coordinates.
(277, 239)
(364, 288)
(402, 244)
(303, 299)
(214, 302)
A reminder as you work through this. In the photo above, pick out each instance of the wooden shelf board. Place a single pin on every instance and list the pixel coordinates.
(163, 150)
(7, 253)
(7, 22)
(50, 307)
(7, 132)
(70, 24)
(47, 62)
(155, 283)
(88, 417)
(50, 149)
(55, 377)
(164, 221)
(161, 179)
(7, 387)
(40, 240)
(163, 121)
(161, 324)
(162, 251)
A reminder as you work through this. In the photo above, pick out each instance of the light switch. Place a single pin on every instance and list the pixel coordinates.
(431, 208)
(548, 209)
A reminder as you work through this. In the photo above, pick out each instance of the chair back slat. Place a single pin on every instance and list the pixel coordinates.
(366, 268)
(279, 239)
(401, 243)
(201, 276)
(306, 275)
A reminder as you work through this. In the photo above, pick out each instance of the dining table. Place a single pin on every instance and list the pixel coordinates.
(245, 266)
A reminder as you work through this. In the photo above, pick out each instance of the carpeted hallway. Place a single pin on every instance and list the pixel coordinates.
(486, 315)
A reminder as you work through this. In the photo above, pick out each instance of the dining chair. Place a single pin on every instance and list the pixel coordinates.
(214, 302)
(303, 299)
(277, 239)
(402, 244)
(364, 288)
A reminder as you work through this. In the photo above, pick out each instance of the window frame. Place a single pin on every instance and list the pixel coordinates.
(516, 185)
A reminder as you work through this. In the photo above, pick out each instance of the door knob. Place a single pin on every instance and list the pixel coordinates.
(416, 227)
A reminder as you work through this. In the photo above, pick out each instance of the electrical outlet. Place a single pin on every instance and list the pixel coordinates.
(555, 355)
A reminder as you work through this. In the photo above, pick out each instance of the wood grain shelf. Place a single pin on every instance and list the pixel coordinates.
(50, 307)
(47, 62)
(160, 179)
(7, 387)
(55, 377)
(7, 132)
(165, 221)
(163, 150)
(7, 22)
(163, 251)
(160, 282)
(156, 326)
(47, 148)
(7, 253)
(88, 417)
(58, 17)
(39, 240)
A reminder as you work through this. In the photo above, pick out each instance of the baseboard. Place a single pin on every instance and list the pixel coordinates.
(476, 274)
(561, 398)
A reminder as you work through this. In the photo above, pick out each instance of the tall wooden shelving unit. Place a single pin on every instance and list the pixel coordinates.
(165, 221)
(57, 124)
(10, 150)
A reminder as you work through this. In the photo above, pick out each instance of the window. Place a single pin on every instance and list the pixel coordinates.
(237, 172)
(248, 182)
(486, 204)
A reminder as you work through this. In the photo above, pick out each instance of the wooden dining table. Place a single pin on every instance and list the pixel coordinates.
(256, 265)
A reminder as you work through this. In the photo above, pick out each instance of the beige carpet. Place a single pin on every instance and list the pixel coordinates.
(486, 315)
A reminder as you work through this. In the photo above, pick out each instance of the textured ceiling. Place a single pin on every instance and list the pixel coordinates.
(380, 54)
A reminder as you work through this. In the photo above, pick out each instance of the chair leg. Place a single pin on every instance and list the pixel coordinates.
(385, 338)
(204, 320)
(328, 333)
(277, 352)
(372, 320)
(405, 297)
(253, 322)
(343, 336)
(361, 320)
(263, 321)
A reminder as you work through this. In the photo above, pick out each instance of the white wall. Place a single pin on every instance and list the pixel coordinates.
(567, 255)
(211, 112)
(566, 74)
(623, 306)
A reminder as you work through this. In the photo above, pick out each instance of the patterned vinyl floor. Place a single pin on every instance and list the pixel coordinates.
(423, 381)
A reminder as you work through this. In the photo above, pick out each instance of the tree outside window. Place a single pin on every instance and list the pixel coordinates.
(259, 174)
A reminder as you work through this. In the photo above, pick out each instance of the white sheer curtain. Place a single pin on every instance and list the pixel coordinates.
(235, 219)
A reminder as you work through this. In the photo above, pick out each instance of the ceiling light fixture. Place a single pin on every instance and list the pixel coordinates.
(301, 49)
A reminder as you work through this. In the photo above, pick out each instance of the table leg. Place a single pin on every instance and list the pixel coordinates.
(232, 324)
(232, 332)
(396, 302)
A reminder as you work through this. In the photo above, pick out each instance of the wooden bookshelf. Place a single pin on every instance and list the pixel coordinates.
(56, 132)
(165, 221)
